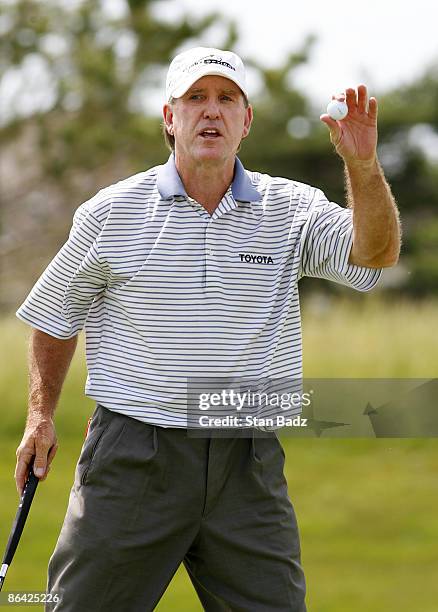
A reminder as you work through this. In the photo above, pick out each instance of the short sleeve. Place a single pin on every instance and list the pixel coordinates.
(61, 298)
(326, 241)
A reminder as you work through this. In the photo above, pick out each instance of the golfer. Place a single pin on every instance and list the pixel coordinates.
(190, 270)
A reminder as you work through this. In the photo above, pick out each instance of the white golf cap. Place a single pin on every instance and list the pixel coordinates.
(189, 66)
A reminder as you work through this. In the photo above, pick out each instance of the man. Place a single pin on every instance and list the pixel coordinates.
(190, 270)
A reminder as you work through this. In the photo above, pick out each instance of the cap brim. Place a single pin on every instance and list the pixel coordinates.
(204, 71)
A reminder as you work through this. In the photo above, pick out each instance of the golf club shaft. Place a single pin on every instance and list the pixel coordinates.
(19, 522)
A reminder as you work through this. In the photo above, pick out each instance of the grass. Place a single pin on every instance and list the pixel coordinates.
(368, 337)
(366, 507)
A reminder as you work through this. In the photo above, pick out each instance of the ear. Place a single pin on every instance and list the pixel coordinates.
(249, 115)
(168, 118)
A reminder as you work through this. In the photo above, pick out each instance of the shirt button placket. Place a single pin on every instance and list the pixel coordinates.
(209, 256)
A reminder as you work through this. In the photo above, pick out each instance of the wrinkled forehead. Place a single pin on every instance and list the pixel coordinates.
(215, 84)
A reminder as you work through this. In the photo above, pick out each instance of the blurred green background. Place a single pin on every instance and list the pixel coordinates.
(93, 80)
(366, 508)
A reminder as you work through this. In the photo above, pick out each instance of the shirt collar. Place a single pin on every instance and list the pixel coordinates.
(169, 182)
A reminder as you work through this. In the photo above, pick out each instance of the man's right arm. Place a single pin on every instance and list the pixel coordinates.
(49, 360)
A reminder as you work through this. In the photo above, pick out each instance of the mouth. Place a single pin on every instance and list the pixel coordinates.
(210, 134)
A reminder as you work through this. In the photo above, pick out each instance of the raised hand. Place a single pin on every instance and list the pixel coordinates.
(355, 137)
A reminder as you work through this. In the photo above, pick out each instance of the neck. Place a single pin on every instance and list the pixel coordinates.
(206, 183)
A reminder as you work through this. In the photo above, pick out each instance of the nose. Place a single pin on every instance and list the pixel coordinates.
(211, 110)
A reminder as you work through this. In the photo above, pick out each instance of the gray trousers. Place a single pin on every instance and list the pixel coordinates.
(146, 498)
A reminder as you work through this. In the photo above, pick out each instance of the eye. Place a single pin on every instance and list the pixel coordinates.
(226, 98)
(195, 97)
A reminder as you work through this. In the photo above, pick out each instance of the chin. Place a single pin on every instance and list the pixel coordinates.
(210, 153)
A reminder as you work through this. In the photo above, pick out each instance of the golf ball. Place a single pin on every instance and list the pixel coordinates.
(337, 110)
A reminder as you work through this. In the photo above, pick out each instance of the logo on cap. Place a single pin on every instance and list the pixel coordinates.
(209, 59)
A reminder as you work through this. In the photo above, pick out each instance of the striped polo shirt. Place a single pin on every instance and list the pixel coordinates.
(168, 293)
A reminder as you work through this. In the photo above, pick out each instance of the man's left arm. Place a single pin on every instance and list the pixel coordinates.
(376, 224)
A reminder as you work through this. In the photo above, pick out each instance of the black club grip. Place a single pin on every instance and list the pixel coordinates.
(21, 516)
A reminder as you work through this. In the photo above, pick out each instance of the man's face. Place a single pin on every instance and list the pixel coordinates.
(208, 121)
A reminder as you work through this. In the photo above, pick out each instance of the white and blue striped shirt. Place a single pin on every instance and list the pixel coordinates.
(167, 292)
